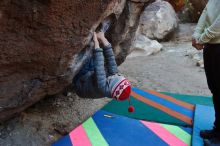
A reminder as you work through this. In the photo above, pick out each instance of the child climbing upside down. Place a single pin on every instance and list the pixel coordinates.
(94, 81)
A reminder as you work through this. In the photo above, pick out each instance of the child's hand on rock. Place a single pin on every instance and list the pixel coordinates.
(101, 37)
(95, 39)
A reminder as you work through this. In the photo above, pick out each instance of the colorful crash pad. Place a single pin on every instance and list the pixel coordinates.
(192, 99)
(114, 125)
(203, 119)
(105, 128)
(154, 106)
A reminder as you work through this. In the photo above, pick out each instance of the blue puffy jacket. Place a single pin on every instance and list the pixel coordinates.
(94, 80)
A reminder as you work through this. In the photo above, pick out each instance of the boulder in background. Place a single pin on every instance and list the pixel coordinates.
(143, 46)
(158, 20)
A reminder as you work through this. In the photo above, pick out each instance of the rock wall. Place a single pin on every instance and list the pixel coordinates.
(123, 32)
(44, 44)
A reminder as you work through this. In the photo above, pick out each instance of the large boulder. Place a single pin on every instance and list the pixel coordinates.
(123, 32)
(158, 20)
(44, 44)
(143, 46)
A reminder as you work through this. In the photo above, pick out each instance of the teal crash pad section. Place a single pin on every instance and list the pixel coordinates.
(192, 99)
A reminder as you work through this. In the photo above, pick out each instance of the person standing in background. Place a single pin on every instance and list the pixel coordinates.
(207, 37)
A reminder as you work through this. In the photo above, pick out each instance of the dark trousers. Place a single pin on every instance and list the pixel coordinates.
(212, 70)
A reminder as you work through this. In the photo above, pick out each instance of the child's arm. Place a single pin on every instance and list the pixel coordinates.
(99, 67)
(109, 55)
(110, 60)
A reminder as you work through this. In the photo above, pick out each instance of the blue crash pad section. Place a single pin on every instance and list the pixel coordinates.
(165, 102)
(187, 129)
(65, 141)
(119, 131)
(203, 119)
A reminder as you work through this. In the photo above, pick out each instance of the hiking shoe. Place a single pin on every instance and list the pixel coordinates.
(208, 134)
(212, 142)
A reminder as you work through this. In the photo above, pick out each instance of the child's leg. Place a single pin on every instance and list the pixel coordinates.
(77, 84)
(88, 66)
(109, 54)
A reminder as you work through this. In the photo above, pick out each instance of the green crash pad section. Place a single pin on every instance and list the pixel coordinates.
(202, 100)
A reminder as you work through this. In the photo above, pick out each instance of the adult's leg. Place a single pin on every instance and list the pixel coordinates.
(212, 70)
(216, 82)
(211, 64)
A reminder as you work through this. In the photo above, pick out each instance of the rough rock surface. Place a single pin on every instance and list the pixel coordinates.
(143, 46)
(43, 44)
(123, 31)
(152, 23)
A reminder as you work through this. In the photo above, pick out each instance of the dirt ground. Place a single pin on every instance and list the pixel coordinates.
(171, 70)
